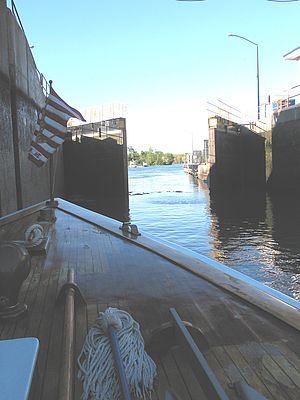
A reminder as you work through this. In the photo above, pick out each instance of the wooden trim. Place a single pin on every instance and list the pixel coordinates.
(17, 215)
(270, 300)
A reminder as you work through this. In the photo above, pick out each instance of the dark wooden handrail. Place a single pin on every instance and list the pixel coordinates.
(68, 295)
(67, 373)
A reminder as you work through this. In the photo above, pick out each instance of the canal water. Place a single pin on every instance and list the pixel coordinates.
(253, 233)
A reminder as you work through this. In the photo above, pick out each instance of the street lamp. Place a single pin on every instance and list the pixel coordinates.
(257, 70)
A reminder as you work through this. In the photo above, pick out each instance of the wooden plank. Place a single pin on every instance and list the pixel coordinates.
(194, 314)
(201, 315)
(96, 260)
(224, 321)
(225, 379)
(173, 375)
(255, 354)
(39, 302)
(53, 366)
(281, 378)
(162, 380)
(87, 245)
(54, 325)
(229, 368)
(191, 382)
(283, 362)
(290, 355)
(262, 331)
(205, 375)
(35, 320)
(102, 255)
(44, 329)
(250, 376)
(79, 254)
(53, 319)
(80, 309)
(256, 334)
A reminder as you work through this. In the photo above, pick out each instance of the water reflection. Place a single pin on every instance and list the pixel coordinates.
(238, 221)
(259, 235)
(286, 232)
(254, 233)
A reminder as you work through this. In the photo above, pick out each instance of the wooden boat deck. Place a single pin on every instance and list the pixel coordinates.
(239, 341)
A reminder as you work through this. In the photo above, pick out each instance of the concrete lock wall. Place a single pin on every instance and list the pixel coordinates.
(21, 98)
(285, 176)
(8, 201)
(238, 160)
(96, 176)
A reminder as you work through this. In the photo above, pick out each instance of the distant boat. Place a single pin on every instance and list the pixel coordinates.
(134, 164)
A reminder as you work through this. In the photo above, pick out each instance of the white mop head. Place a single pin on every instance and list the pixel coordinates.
(96, 363)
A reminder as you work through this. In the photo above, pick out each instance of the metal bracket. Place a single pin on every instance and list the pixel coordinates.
(127, 227)
(70, 285)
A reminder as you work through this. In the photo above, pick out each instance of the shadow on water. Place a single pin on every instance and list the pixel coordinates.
(239, 207)
(259, 235)
(285, 213)
(238, 219)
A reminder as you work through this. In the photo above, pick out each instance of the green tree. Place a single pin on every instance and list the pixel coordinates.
(168, 158)
(179, 158)
(132, 154)
(150, 157)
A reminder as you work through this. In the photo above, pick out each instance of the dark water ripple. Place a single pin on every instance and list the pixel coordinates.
(254, 233)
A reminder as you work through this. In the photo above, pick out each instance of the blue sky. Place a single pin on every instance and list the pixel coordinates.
(162, 58)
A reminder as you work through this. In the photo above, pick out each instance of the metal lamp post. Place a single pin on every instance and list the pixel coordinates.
(257, 70)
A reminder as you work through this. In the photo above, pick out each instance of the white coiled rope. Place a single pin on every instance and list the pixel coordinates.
(96, 362)
(34, 235)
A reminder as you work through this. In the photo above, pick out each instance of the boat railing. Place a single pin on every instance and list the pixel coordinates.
(45, 85)
(225, 111)
(259, 127)
(16, 14)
